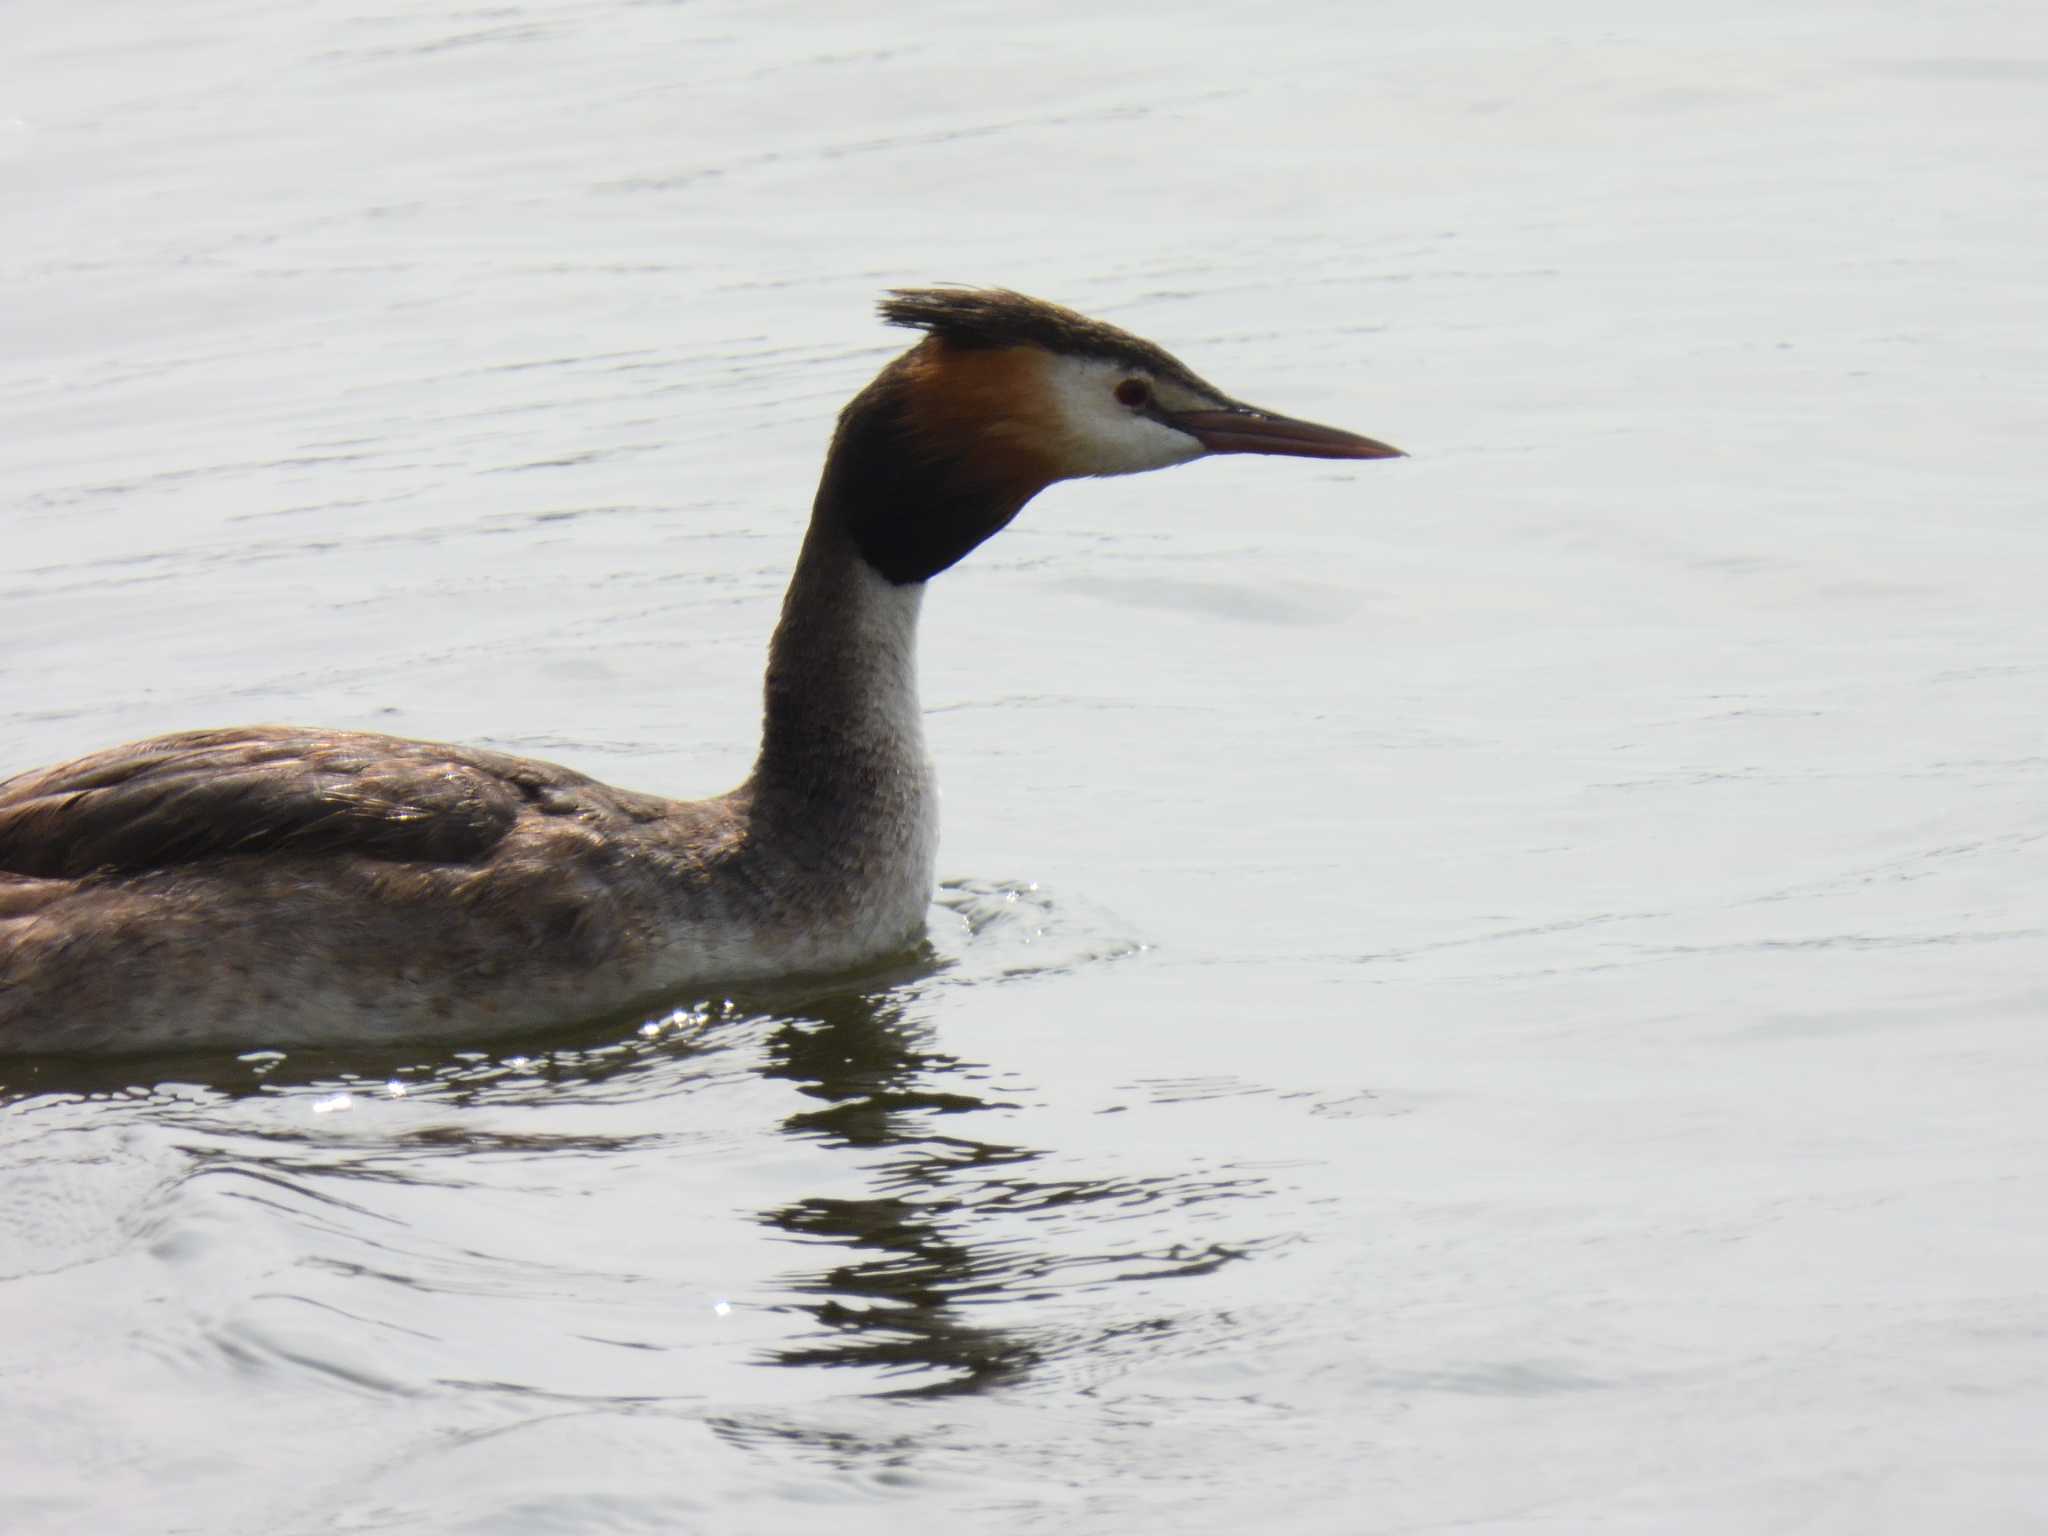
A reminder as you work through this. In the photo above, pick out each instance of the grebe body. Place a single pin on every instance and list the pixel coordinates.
(279, 885)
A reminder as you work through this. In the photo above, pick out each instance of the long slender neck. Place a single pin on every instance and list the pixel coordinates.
(842, 763)
(840, 815)
(841, 730)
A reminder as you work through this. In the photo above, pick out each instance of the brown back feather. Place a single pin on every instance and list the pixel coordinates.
(268, 789)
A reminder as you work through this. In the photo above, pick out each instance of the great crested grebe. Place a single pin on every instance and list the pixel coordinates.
(277, 885)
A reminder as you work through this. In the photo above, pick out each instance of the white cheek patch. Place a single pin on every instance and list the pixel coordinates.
(1099, 435)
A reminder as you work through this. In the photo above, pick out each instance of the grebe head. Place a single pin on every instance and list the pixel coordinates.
(1006, 394)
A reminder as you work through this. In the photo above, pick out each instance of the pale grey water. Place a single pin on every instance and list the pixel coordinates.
(1500, 991)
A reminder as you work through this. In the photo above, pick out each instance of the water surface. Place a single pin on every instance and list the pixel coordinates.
(1502, 990)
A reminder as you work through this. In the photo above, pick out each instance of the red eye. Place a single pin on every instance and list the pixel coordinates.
(1134, 393)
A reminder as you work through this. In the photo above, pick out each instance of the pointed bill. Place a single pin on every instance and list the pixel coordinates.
(1246, 430)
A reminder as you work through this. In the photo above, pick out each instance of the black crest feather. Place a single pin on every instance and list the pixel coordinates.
(997, 317)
